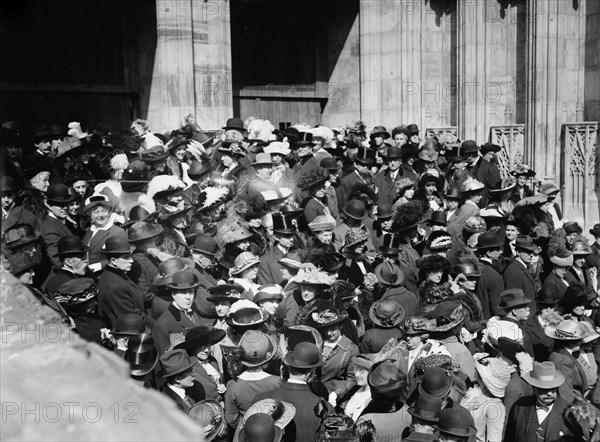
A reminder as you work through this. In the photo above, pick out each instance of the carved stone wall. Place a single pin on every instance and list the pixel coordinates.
(511, 139)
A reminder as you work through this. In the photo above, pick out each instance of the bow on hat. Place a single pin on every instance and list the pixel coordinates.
(172, 208)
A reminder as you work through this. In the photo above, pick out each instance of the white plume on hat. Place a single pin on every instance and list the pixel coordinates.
(323, 132)
(259, 129)
(75, 130)
(302, 127)
(164, 182)
(242, 303)
(119, 162)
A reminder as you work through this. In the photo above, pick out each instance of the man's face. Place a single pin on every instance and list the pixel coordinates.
(8, 198)
(264, 172)
(77, 264)
(286, 241)
(525, 255)
(180, 154)
(511, 232)
(222, 308)
(394, 164)
(123, 262)
(561, 271)
(494, 255)
(378, 139)
(522, 313)
(44, 147)
(14, 152)
(412, 341)
(183, 298)
(59, 210)
(400, 139)
(545, 396)
(304, 150)
(186, 380)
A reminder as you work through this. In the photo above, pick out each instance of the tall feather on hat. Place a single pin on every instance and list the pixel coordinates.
(323, 132)
(262, 130)
(161, 183)
(406, 215)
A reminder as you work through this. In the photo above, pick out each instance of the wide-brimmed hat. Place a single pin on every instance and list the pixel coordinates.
(175, 362)
(524, 170)
(495, 374)
(232, 147)
(322, 223)
(168, 268)
(365, 156)
(170, 210)
(472, 185)
(506, 185)
(572, 227)
(467, 269)
(198, 169)
(183, 280)
(97, 200)
(230, 292)
(389, 273)
(362, 361)
(355, 209)
(247, 316)
(548, 189)
(305, 355)
(567, 330)
(574, 295)
(142, 230)
(117, 245)
(386, 379)
(453, 193)
(129, 324)
(580, 248)
(310, 274)
(138, 213)
(262, 159)
(276, 196)
(526, 243)
(283, 223)
(313, 179)
(269, 292)
(562, 261)
(154, 155)
(281, 412)
(544, 375)
(292, 260)
(200, 336)
(456, 421)
(244, 261)
(209, 413)
(141, 354)
(206, 245)
(386, 313)
(134, 180)
(427, 408)
(355, 235)
(379, 130)
(447, 315)
(261, 426)
(211, 197)
(433, 262)
(277, 148)
(59, 194)
(489, 147)
(327, 318)
(429, 178)
(595, 230)
(390, 243)
(513, 298)
(487, 240)
(258, 348)
(20, 235)
(439, 240)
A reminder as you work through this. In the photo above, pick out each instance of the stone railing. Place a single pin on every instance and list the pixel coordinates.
(511, 140)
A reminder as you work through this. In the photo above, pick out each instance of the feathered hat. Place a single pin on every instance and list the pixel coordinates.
(407, 216)
(163, 183)
(260, 130)
(247, 207)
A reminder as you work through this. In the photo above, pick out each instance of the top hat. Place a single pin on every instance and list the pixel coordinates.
(8, 184)
(128, 324)
(168, 268)
(141, 354)
(304, 139)
(389, 273)
(386, 379)
(436, 382)
(393, 153)
(117, 245)
(142, 230)
(19, 235)
(183, 280)
(95, 200)
(20, 262)
(469, 147)
(526, 243)
(355, 209)
(58, 194)
(380, 130)
(269, 292)
(456, 421)
(200, 336)
(235, 124)
(263, 159)
(69, 246)
(595, 230)
(427, 408)
(413, 129)
(175, 362)
(544, 375)
(364, 156)
(489, 147)
(438, 217)
(258, 348)
(386, 313)
(134, 180)
(487, 240)
(283, 223)
(390, 243)
(513, 298)
(305, 355)
(457, 155)
(206, 245)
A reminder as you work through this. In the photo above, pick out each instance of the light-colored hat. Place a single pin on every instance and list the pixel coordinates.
(567, 330)
(263, 159)
(278, 148)
(548, 189)
(355, 236)
(310, 274)
(244, 261)
(322, 223)
(258, 347)
(590, 333)
(544, 375)
(270, 292)
(495, 374)
(471, 185)
(562, 261)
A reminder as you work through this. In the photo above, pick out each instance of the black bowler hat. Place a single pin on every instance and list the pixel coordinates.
(427, 408)
(456, 421)
(487, 240)
(329, 164)
(117, 245)
(58, 194)
(413, 129)
(489, 147)
(439, 218)
(183, 280)
(70, 245)
(206, 245)
(355, 209)
(282, 223)
(305, 355)
(469, 147)
(9, 184)
(235, 124)
(365, 156)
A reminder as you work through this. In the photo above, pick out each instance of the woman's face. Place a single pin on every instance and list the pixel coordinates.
(285, 273)
(179, 221)
(117, 175)
(309, 292)
(579, 262)
(251, 273)
(255, 222)
(203, 353)
(360, 248)
(409, 193)
(80, 187)
(578, 310)
(435, 276)
(333, 333)
(222, 308)
(73, 206)
(320, 192)
(469, 284)
(270, 306)
(100, 216)
(360, 374)
(570, 238)
(180, 154)
(511, 233)
(452, 204)
(476, 198)
(400, 139)
(277, 159)
(430, 188)
(521, 180)
(326, 236)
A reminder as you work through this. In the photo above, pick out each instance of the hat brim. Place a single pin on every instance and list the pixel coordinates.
(519, 303)
(354, 217)
(95, 204)
(450, 325)
(554, 383)
(378, 322)
(551, 333)
(290, 263)
(504, 189)
(335, 322)
(315, 183)
(178, 370)
(118, 252)
(216, 299)
(156, 159)
(188, 265)
(166, 216)
(264, 316)
(382, 280)
(238, 270)
(143, 370)
(210, 338)
(291, 362)
(22, 242)
(262, 163)
(62, 201)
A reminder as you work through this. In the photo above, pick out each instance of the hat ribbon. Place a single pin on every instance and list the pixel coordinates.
(172, 208)
(386, 320)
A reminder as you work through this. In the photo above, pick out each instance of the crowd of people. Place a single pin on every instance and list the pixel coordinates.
(314, 283)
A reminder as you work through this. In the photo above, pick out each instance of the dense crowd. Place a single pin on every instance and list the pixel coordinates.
(314, 283)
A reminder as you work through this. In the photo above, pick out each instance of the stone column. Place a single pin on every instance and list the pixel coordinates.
(192, 65)
(555, 79)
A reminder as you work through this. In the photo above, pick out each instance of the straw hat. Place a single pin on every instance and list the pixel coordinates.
(354, 236)
(309, 274)
(495, 374)
(322, 223)
(244, 261)
(258, 348)
(544, 375)
(567, 330)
